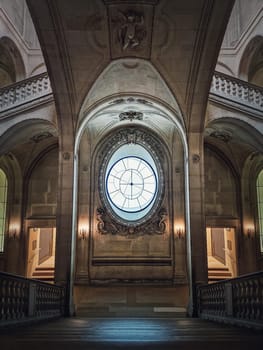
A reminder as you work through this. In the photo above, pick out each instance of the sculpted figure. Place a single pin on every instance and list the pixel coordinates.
(131, 32)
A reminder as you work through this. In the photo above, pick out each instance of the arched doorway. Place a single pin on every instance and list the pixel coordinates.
(122, 251)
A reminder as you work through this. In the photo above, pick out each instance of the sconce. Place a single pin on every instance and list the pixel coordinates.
(83, 234)
(179, 232)
(13, 233)
(249, 232)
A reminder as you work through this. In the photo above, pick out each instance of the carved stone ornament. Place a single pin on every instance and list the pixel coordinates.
(131, 135)
(66, 156)
(41, 136)
(131, 115)
(155, 226)
(224, 136)
(130, 100)
(196, 158)
(131, 29)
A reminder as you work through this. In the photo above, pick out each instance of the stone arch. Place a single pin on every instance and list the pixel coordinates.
(223, 68)
(31, 130)
(251, 63)
(94, 111)
(12, 67)
(41, 68)
(130, 76)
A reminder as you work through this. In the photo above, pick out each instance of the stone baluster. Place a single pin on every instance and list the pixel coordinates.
(239, 299)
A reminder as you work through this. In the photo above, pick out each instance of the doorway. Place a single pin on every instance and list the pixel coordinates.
(221, 253)
(41, 253)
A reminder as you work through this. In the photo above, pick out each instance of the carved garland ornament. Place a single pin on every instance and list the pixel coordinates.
(131, 135)
(131, 115)
(156, 226)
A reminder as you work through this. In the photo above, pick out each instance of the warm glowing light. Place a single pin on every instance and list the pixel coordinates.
(179, 230)
(249, 230)
(83, 231)
(14, 230)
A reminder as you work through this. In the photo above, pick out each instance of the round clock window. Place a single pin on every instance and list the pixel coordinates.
(131, 182)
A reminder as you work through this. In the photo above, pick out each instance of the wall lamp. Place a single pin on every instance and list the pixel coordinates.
(13, 232)
(249, 232)
(179, 232)
(83, 233)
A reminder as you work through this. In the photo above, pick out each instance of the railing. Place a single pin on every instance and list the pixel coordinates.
(24, 92)
(23, 300)
(236, 301)
(224, 89)
(237, 92)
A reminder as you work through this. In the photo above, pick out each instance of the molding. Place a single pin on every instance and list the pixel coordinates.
(18, 36)
(133, 282)
(244, 38)
(98, 261)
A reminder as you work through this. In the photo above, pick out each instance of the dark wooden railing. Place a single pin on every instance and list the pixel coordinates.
(236, 301)
(23, 299)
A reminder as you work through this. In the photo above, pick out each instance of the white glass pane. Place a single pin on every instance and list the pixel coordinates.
(131, 184)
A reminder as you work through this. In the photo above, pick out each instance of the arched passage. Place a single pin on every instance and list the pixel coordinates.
(130, 120)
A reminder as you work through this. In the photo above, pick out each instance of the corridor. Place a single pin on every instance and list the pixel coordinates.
(130, 333)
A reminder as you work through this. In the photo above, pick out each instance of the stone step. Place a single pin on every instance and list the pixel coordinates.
(130, 334)
(40, 268)
(43, 273)
(129, 311)
(219, 273)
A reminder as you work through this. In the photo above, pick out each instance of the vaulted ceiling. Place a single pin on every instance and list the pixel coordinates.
(180, 39)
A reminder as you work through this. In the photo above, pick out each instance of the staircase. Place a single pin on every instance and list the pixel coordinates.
(216, 274)
(138, 311)
(45, 274)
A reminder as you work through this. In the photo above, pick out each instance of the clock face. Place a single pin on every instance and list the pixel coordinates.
(131, 184)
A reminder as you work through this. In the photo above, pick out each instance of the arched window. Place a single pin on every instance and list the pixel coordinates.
(3, 200)
(260, 207)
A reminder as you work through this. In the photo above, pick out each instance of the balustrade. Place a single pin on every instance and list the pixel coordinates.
(224, 87)
(237, 90)
(238, 300)
(24, 91)
(22, 299)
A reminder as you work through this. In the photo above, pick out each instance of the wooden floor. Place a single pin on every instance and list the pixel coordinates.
(130, 333)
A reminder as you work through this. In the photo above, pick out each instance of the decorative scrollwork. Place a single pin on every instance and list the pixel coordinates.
(107, 225)
(131, 115)
(133, 135)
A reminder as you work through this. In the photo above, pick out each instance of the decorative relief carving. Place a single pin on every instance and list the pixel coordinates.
(130, 30)
(107, 225)
(131, 115)
(196, 158)
(222, 135)
(129, 135)
(66, 156)
(41, 136)
(150, 2)
(130, 100)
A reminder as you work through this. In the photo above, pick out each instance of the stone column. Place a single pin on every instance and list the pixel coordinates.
(64, 221)
(197, 212)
